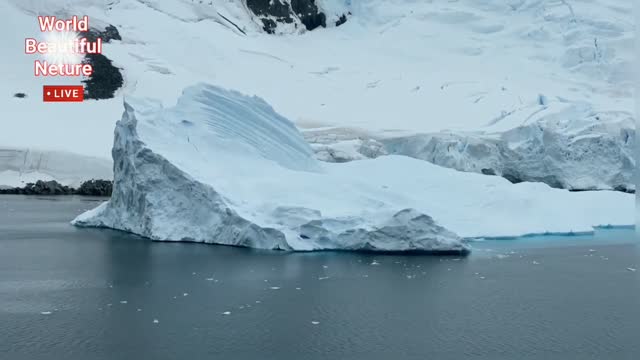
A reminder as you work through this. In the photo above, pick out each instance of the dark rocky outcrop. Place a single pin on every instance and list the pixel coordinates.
(89, 188)
(342, 20)
(307, 12)
(109, 33)
(20, 95)
(104, 81)
(106, 78)
(271, 13)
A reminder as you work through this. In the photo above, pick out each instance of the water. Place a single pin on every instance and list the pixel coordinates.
(537, 298)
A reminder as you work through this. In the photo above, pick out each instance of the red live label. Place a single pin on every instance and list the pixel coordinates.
(63, 93)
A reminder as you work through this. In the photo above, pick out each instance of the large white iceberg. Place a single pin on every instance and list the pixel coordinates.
(222, 167)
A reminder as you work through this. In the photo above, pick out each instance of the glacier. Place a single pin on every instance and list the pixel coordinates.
(439, 81)
(223, 167)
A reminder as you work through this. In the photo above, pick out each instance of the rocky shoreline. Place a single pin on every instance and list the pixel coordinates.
(87, 188)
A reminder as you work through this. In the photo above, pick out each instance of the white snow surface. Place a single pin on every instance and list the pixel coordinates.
(223, 167)
(395, 69)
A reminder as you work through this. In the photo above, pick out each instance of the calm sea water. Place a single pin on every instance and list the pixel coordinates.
(68, 293)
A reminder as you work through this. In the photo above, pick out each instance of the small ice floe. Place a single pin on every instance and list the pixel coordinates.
(535, 262)
(155, 321)
(315, 322)
(374, 263)
(298, 288)
(193, 273)
(139, 310)
(411, 276)
(226, 313)
(123, 301)
(185, 294)
(501, 256)
(275, 288)
(109, 304)
(482, 278)
(209, 279)
(100, 309)
(45, 312)
(265, 280)
(258, 301)
(365, 276)
(325, 266)
(323, 278)
(241, 307)
(631, 269)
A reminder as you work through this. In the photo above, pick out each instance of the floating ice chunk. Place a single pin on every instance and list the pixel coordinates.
(226, 313)
(315, 322)
(45, 312)
(631, 269)
(185, 294)
(155, 321)
(275, 288)
(123, 301)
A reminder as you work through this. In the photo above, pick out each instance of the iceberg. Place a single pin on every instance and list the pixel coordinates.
(222, 167)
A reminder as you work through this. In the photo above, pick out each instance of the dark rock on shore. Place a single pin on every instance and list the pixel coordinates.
(89, 188)
(95, 188)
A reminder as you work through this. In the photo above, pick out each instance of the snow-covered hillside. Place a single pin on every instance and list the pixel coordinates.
(541, 82)
(221, 167)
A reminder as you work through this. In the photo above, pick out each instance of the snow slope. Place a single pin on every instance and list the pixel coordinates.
(395, 69)
(222, 167)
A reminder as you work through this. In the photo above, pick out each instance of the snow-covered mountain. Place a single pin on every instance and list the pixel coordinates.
(222, 167)
(533, 90)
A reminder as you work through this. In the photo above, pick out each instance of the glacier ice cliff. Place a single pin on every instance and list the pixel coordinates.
(222, 167)
(570, 146)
